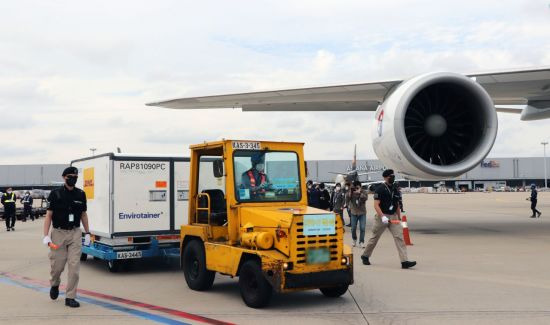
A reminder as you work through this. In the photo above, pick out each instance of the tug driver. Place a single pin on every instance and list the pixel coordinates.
(255, 178)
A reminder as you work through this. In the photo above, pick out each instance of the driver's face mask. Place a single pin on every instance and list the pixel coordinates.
(260, 167)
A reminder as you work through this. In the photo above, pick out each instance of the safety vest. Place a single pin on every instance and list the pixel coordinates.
(253, 180)
(12, 200)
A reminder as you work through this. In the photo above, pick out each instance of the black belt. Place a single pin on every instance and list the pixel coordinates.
(66, 228)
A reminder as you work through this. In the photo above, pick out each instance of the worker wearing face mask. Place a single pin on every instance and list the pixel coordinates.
(255, 179)
(27, 206)
(388, 215)
(66, 209)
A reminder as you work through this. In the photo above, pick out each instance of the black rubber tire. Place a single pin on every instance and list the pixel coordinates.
(83, 257)
(194, 267)
(113, 266)
(334, 292)
(96, 258)
(255, 290)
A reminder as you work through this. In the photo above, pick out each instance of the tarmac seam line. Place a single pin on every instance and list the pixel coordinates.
(359, 307)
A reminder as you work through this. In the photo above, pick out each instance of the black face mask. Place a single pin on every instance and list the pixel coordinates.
(391, 179)
(71, 180)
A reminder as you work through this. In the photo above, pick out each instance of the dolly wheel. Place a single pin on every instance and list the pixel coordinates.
(83, 257)
(334, 292)
(255, 290)
(194, 267)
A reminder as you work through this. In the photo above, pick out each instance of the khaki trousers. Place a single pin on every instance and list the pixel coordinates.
(69, 251)
(397, 232)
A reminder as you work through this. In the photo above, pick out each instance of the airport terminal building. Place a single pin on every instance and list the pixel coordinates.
(491, 173)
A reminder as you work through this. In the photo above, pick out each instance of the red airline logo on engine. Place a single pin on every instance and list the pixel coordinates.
(380, 118)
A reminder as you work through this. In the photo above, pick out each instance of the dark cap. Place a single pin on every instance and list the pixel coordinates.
(387, 172)
(70, 170)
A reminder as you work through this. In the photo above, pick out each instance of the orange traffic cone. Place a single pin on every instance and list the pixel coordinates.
(406, 235)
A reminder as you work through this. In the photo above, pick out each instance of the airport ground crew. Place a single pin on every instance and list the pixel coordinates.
(255, 179)
(388, 215)
(313, 195)
(27, 206)
(533, 199)
(8, 201)
(356, 198)
(324, 197)
(66, 209)
(346, 206)
(337, 202)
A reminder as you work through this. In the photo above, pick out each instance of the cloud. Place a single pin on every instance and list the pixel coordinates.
(76, 75)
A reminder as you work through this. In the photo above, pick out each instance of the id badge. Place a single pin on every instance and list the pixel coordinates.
(391, 207)
(71, 217)
(356, 202)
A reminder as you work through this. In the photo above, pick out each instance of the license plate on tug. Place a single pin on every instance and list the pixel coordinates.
(128, 255)
(317, 255)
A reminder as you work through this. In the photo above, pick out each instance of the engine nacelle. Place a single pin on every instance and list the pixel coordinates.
(436, 125)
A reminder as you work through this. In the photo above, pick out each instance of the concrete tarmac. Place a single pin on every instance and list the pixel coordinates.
(481, 260)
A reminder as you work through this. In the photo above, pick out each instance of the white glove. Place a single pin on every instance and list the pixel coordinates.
(46, 240)
(385, 220)
(87, 240)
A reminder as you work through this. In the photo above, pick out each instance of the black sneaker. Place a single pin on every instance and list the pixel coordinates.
(538, 214)
(533, 216)
(9, 229)
(407, 264)
(365, 260)
(71, 303)
(12, 229)
(54, 292)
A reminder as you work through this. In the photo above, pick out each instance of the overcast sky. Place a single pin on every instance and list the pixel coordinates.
(75, 75)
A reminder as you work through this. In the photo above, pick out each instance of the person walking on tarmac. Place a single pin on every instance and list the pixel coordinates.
(27, 206)
(337, 201)
(346, 206)
(356, 198)
(8, 201)
(66, 210)
(533, 199)
(388, 215)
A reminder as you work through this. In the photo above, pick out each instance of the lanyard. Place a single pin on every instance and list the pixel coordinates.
(389, 192)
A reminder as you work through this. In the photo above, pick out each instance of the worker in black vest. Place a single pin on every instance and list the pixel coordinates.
(8, 201)
(388, 216)
(66, 209)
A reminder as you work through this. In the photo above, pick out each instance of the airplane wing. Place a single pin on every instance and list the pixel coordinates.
(529, 87)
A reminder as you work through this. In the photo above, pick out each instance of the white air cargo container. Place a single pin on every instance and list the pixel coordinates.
(136, 205)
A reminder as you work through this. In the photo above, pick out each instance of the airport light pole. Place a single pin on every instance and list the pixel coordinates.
(544, 143)
(93, 151)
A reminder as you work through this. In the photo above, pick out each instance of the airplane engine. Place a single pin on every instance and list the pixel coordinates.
(434, 126)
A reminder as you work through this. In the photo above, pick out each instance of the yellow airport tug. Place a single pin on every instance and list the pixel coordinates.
(248, 217)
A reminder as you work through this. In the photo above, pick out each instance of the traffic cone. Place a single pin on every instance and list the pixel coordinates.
(406, 235)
